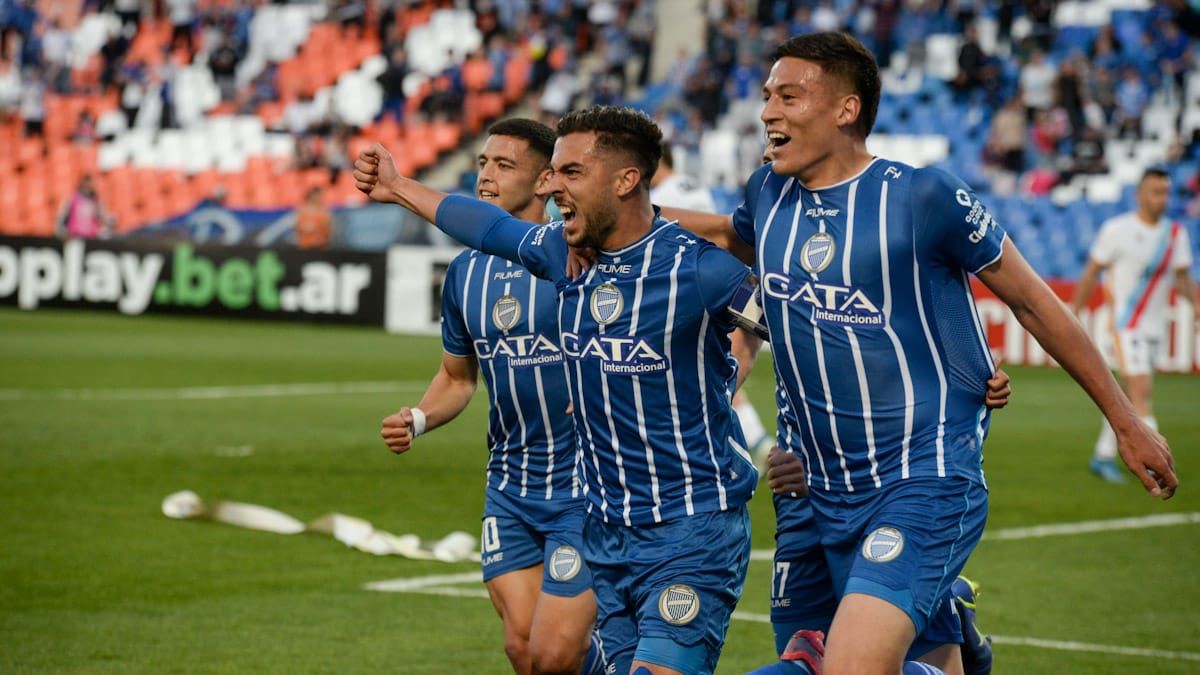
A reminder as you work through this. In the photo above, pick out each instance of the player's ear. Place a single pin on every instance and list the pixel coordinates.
(542, 183)
(627, 180)
(848, 110)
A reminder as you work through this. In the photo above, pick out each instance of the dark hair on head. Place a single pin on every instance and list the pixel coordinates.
(1154, 172)
(845, 58)
(668, 157)
(619, 129)
(539, 136)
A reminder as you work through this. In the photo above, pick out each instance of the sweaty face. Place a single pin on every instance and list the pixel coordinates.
(583, 185)
(508, 173)
(800, 113)
(1152, 196)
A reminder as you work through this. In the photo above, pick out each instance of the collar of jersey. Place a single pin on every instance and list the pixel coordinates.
(659, 224)
(840, 183)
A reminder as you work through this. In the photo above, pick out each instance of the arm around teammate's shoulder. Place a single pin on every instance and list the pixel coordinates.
(718, 276)
(1040, 311)
(714, 227)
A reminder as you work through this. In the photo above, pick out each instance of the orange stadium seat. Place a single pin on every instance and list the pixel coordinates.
(516, 76)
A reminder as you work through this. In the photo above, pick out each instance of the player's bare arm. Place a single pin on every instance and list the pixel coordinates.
(1185, 286)
(744, 346)
(447, 396)
(1087, 283)
(714, 227)
(1036, 307)
(376, 176)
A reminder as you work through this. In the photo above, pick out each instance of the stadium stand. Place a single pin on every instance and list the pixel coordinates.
(1050, 110)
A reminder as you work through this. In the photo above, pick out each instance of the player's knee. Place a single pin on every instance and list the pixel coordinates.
(858, 662)
(554, 658)
(516, 647)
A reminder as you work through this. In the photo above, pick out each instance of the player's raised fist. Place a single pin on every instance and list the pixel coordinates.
(375, 173)
(397, 431)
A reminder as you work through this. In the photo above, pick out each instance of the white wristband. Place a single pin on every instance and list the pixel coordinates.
(418, 421)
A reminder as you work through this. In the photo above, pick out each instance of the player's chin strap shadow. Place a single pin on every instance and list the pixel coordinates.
(354, 532)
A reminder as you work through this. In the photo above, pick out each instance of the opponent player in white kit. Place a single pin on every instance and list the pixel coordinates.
(1143, 254)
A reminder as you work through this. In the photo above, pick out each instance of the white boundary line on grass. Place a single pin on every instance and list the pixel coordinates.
(433, 585)
(1062, 529)
(450, 584)
(212, 393)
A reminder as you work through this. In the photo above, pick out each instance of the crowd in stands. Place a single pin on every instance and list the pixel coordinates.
(80, 81)
(1030, 99)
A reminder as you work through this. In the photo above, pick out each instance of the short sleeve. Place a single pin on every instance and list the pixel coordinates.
(1104, 248)
(954, 222)
(544, 251)
(743, 216)
(1181, 259)
(456, 340)
(718, 275)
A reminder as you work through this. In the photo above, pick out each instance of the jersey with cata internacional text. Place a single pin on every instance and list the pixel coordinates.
(645, 335)
(1141, 260)
(876, 338)
(499, 314)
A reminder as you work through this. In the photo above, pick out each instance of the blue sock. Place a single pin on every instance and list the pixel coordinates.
(593, 663)
(918, 668)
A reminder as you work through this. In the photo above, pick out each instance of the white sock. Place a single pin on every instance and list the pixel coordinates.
(752, 427)
(1106, 445)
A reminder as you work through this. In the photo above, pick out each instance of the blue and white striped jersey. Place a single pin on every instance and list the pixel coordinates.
(877, 342)
(499, 314)
(645, 336)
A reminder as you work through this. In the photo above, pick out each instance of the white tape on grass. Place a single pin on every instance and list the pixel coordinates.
(213, 393)
(1062, 529)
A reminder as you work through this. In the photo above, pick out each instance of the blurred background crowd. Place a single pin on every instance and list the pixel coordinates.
(121, 117)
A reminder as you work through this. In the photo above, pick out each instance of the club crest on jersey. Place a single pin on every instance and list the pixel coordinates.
(565, 563)
(817, 252)
(506, 312)
(883, 545)
(607, 303)
(678, 604)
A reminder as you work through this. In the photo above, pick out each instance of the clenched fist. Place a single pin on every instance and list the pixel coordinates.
(397, 431)
(375, 174)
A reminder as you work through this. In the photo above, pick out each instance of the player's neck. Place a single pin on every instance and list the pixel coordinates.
(837, 167)
(1147, 219)
(633, 223)
(533, 212)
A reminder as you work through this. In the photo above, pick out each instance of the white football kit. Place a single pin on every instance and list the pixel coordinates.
(1141, 262)
(682, 192)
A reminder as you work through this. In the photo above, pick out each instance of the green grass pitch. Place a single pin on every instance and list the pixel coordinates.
(94, 579)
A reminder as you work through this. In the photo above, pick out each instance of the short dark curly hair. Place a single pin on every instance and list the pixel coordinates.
(619, 129)
(845, 58)
(539, 136)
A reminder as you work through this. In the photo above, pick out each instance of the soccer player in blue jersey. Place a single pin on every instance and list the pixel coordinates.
(864, 265)
(645, 332)
(499, 319)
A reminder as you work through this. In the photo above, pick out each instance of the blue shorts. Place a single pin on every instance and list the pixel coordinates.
(905, 544)
(521, 533)
(665, 592)
(802, 593)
